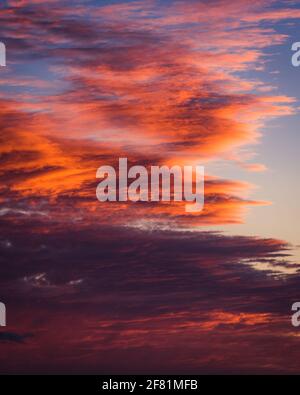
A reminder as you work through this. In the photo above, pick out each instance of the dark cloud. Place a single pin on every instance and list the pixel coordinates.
(14, 337)
(188, 296)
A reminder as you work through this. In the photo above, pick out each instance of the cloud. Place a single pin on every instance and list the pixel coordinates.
(160, 291)
(135, 85)
(13, 337)
(138, 288)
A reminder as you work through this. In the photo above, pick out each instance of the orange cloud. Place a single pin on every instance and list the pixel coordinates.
(126, 86)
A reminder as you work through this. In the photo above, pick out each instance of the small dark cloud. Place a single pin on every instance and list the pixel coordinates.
(12, 337)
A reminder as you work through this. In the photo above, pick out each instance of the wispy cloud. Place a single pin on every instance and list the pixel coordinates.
(159, 83)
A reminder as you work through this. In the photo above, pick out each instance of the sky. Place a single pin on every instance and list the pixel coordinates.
(123, 287)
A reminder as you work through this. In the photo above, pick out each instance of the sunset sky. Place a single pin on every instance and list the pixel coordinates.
(128, 287)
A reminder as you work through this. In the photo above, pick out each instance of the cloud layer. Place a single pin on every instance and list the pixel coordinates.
(138, 288)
